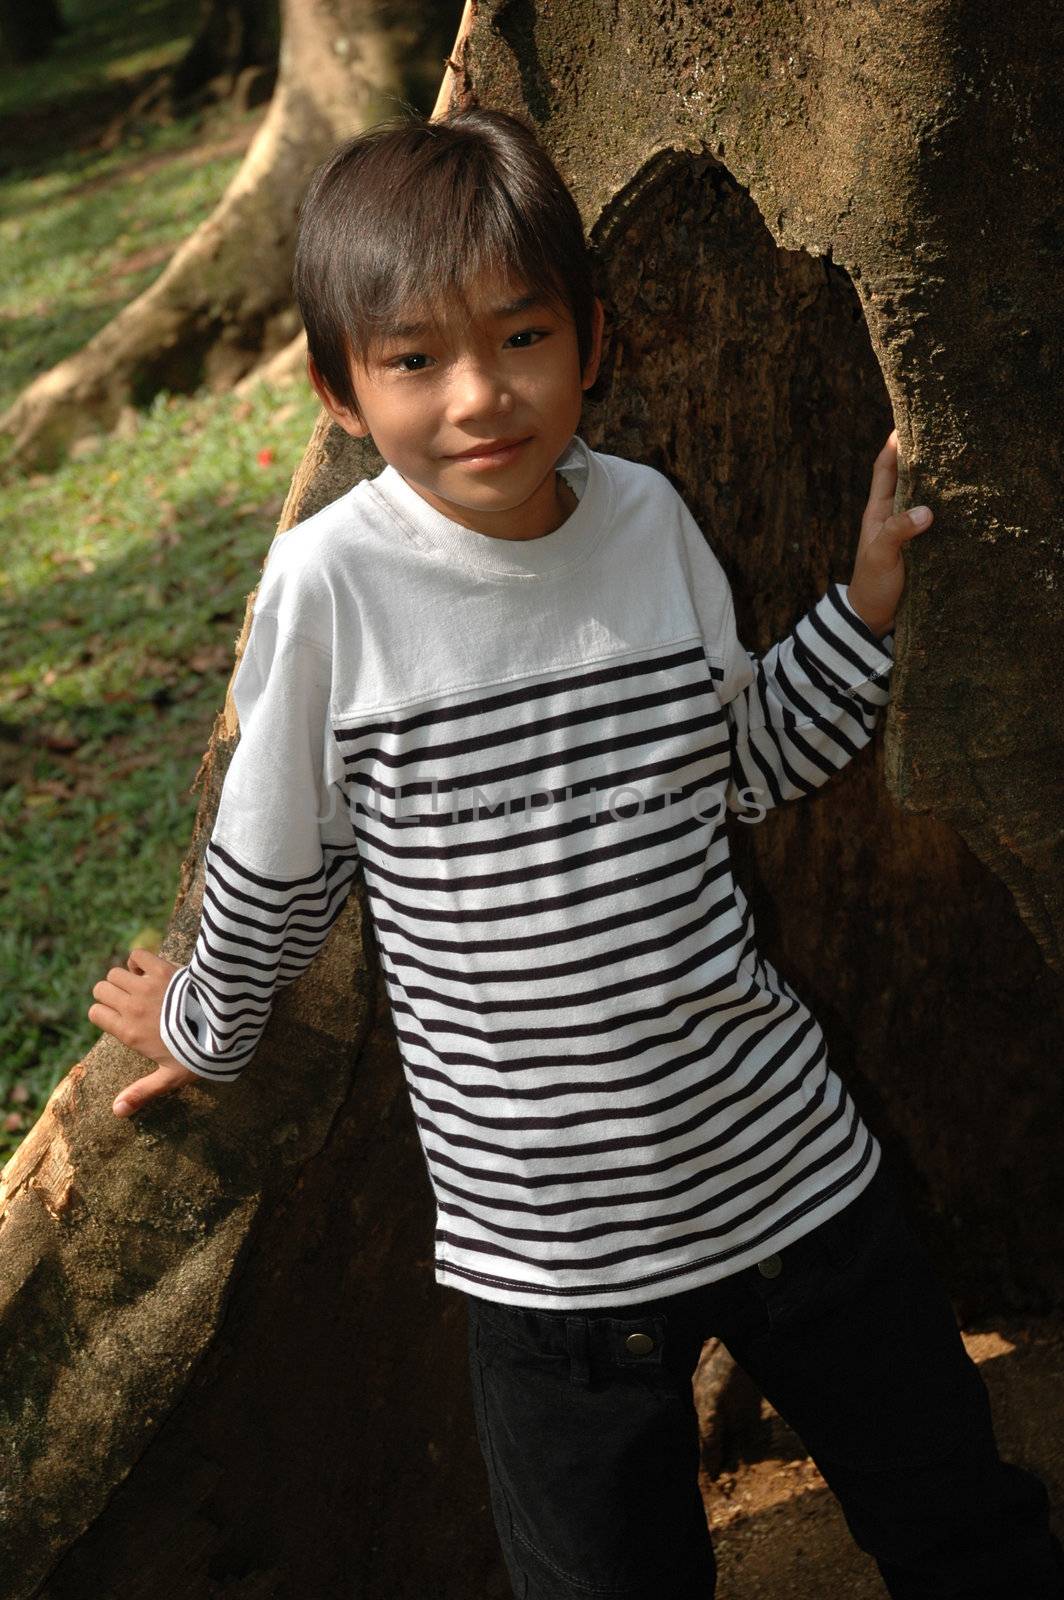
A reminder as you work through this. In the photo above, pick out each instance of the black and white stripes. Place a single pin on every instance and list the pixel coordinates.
(256, 934)
(609, 1086)
(812, 703)
(534, 756)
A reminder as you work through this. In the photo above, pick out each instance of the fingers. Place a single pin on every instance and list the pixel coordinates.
(884, 485)
(898, 530)
(133, 1096)
(164, 1080)
(106, 1017)
(117, 983)
(908, 523)
(110, 1013)
(146, 959)
(880, 521)
(121, 983)
(122, 1008)
(146, 962)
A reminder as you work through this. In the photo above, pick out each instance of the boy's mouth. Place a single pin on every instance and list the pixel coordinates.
(493, 452)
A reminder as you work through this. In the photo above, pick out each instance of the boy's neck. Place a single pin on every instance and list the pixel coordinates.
(565, 503)
(567, 498)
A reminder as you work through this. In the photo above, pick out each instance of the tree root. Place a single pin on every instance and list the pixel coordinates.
(223, 304)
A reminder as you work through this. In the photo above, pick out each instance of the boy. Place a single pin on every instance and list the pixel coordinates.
(502, 680)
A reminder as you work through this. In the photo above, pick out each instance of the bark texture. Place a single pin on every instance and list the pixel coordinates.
(223, 1321)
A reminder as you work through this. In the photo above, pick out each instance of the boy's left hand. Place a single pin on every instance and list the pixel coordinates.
(878, 571)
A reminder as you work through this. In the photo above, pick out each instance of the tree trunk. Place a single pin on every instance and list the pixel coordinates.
(232, 36)
(224, 302)
(233, 57)
(231, 1370)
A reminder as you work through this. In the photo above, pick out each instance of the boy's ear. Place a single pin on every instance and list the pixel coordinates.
(343, 416)
(591, 366)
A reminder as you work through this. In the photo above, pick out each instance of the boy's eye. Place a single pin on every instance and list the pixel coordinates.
(402, 363)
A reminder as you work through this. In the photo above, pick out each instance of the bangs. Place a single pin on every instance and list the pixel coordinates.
(401, 222)
(406, 268)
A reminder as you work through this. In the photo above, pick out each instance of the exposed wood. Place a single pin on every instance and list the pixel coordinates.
(454, 67)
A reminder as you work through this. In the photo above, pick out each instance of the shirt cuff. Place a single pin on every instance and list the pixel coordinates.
(843, 647)
(182, 1028)
(887, 640)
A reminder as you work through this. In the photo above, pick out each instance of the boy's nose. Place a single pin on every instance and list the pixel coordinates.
(479, 391)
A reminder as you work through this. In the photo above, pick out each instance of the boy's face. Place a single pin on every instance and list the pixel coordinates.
(446, 386)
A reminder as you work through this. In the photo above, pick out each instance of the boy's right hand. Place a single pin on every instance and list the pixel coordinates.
(128, 1006)
(164, 1080)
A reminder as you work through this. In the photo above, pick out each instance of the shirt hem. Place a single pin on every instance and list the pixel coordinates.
(672, 1280)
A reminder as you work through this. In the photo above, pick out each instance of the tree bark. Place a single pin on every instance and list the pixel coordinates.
(224, 302)
(231, 1370)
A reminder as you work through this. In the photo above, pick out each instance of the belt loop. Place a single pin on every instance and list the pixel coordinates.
(576, 1332)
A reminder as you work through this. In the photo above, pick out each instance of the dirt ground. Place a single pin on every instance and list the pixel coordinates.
(779, 1533)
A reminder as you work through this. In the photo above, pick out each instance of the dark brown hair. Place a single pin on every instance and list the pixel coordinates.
(410, 212)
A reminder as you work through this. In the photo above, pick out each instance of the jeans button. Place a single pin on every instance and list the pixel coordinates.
(771, 1267)
(639, 1344)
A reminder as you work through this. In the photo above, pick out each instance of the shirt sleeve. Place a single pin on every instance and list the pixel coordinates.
(280, 861)
(797, 713)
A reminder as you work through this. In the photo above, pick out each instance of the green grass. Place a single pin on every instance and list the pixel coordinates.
(81, 239)
(121, 598)
(123, 573)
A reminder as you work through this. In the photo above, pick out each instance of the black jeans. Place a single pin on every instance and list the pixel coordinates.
(590, 1437)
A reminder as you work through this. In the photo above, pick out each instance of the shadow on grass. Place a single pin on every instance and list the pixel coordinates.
(109, 52)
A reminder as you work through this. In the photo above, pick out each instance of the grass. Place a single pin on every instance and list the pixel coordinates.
(120, 602)
(124, 573)
(84, 230)
(82, 241)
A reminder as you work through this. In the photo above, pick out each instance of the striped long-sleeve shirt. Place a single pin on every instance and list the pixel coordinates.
(533, 751)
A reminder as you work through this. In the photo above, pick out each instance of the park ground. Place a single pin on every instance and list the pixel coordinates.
(779, 1532)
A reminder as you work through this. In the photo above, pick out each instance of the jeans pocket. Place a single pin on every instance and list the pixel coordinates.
(823, 1269)
(596, 1347)
(515, 1334)
(859, 1227)
(592, 1453)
